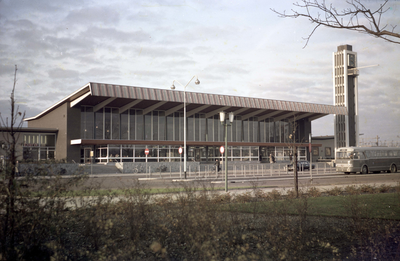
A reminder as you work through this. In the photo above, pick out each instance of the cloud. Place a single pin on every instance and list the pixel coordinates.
(105, 15)
(111, 34)
(63, 74)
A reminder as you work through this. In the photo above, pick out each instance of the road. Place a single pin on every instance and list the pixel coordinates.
(116, 181)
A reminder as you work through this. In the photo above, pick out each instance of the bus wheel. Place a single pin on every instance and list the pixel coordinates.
(393, 168)
(347, 173)
(364, 170)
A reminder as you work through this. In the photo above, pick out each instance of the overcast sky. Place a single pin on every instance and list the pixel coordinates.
(235, 47)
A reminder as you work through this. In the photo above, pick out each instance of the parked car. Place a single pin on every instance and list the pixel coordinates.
(301, 165)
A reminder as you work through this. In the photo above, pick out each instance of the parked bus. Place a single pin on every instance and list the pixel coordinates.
(367, 159)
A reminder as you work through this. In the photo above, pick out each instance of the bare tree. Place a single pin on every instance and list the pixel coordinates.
(357, 17)
(9, 172)
(293, 150)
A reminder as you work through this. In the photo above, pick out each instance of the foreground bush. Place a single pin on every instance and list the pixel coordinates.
(199, 225)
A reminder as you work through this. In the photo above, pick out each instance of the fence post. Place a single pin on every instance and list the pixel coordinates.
(279, 167)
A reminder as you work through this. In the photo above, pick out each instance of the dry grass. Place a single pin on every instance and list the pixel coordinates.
(202, 224)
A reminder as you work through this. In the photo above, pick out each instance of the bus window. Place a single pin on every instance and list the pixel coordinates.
(342, 155)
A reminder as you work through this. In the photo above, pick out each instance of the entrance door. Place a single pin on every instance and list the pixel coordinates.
(197, 154)
(86, 155)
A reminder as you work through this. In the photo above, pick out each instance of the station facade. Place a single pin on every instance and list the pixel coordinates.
(116, 123)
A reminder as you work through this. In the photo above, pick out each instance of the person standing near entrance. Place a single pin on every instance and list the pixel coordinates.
(271, 159)
(217, 165)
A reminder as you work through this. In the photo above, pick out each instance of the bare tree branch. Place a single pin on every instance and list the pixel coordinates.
(357, 18)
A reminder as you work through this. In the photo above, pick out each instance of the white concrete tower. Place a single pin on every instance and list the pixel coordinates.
(345, 89)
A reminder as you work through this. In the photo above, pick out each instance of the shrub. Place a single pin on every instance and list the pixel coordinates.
(384, 188)
(291, 193)
(336, 191)
(244, 197)
(364, 188)
(260, 194)
(314, 192)
(352, 190)
(274, 195)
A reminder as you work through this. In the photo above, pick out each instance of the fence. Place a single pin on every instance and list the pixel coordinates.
(235, 170)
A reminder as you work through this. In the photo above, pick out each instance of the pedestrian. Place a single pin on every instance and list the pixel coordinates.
(217, 165)
(271, 158)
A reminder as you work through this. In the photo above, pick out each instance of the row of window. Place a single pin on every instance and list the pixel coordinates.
(108, 123)
(39, 140)
(368, 154)
(136, 153)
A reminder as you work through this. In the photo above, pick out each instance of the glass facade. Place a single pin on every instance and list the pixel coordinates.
(39, 147)
(109, 124)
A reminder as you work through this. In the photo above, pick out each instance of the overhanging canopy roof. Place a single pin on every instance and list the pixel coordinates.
(124, 97)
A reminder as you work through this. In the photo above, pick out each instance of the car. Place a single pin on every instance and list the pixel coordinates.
(301, 165)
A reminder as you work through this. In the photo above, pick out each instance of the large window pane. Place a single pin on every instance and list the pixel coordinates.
(216, 125)
(245, 130)
(132, 125)
(190, 128)
(155, 125)
(161, 126)
(115, 124)
(262, 131)
(203, 130)
(196, 127)
(139, 125)
(210, 129)
(99, 124)
(170, 127)
(127, 151)
(124, 125)
(107, 123)
(87, 122)
(147, 126)
(177, 129)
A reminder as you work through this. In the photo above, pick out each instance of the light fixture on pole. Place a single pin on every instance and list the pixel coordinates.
(184, 118)
(226, 124)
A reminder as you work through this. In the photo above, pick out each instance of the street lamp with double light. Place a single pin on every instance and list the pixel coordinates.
(226, 124)
(184, 117)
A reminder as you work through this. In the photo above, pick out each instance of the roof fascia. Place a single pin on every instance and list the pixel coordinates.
(59, 103)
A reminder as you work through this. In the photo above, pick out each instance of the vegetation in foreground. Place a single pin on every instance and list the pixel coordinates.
(203, 224)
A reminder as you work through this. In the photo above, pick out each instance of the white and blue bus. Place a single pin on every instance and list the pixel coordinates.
(367, 159)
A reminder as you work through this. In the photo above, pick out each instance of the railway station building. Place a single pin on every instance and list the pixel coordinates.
(117, 123)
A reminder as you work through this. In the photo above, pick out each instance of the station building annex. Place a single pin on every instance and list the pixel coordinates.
(119, 122)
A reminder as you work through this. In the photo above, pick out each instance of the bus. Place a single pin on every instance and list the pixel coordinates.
(367, 159)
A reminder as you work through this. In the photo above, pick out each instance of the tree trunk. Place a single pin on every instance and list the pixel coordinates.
(295, 172)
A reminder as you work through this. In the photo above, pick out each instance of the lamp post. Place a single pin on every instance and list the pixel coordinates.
(184, 118)
(226, 124)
